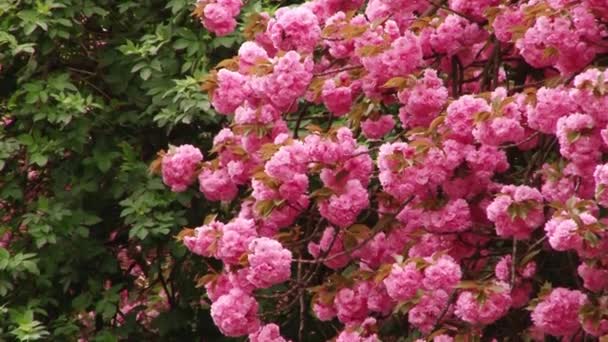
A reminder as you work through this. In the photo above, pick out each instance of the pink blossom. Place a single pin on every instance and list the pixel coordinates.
(235, 313)
(403, 281)
(217, 185)
(342, 209)
(460, 116)
(557, 314)
(324, 312)
(269, 262)
(337, 99)
(551, 104)
(235, 238)
(495, 305)
(577, 138)
(456, 33)
(423, 101)
(288, 81)
(427, 311)
(267, 333)
(232, 89)
(179, 167)
(505, 21)
(401, 59)
(294, 29)
(288, 161)
(516, 211)
(250, 54)
(351, 305)
(595, 278)
(443, 273)
(355, 336)
(563, 233)
(336, 258)
(474, 8)
(376, 129)
(218, 16)
(205, 239)
(601, 181)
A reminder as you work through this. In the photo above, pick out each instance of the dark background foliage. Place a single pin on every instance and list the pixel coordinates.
(90, 90)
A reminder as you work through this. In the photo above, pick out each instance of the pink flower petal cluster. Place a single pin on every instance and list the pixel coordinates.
(236, 313)
(219, 15)
(342, 209)
(295, 29)
(376, 129)
(595, 278)
(179, 167)
(205, 239)
(269, 262)
(516, 211)
(557, 314)
(472, 308)
(267, 333)
(423, 101)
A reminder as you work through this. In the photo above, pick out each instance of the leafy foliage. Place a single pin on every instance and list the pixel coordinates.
(89, 91)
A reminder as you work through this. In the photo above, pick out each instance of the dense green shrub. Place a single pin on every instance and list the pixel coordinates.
(90, 90)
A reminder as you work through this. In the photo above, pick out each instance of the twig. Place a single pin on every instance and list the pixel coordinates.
(325, 73)
(301, 329)
(513, 258)
(530, 138)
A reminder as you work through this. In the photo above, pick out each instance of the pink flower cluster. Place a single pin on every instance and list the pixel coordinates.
(218, 16)
(557, 314)
(179, 167)
(396, 158)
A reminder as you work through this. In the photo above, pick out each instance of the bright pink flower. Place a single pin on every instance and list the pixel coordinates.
(455, 34)
(563, 233)
(551, 104)
(250, 54)
(269, 262)
(474, 8)
(351, 304)
(217, 185)
(601, 182)
(295, 28)
(403, 281)
(324, 312)
(343, 208)
(336, 258)
(443, 273)
(505, 21)
(376, 129)
(557, 314)
(494, 306)
(578, 140)
(337, 99)
(288, 161)
(423, 101)
(355, 336)
(516, 211)
(179, 167)
(234, 241)
(431, 305)
(236, 314)
(218, 16)
(401, 59)
(595, 278)
(288, 81)
(232, 89)
(205, 239)
(267, 333)
(460, 116)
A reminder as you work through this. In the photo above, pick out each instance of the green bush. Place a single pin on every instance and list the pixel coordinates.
(90, 90)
